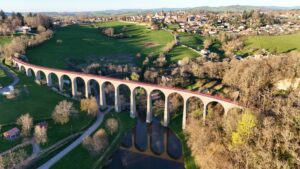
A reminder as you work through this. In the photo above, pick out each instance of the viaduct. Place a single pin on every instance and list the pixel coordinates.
(132, 85)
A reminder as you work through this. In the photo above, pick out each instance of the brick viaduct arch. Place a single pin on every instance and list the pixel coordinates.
(167, 91)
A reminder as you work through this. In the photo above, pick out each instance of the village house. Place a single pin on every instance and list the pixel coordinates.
(23, 29)
(12, 134)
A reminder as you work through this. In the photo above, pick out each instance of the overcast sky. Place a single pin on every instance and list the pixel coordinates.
(97, 5)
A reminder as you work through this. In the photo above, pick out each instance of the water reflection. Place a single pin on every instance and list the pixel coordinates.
(148, 146)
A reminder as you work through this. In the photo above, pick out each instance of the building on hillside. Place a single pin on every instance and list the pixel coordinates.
(12, 134)
(9, 91)
(23, 29)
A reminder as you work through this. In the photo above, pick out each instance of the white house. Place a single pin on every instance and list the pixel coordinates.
(9, 91)
(23, 29)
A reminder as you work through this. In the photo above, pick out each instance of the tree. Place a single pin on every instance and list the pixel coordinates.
(40, 134)
(41, 29)
(1, 163)
(112, 125)
(90, 105)
(63, 111)
(26, 122)
(97, 143)
(207, 43)
(161, 60)
(109, 32)
(134, 76)
(244, 129)
(13, 158)
(100, 140)
(2, 15)
(213, 56)
(232, 46)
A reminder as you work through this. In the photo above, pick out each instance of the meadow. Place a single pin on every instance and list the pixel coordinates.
(194, 41)
(4, 40)
(39, 102)
(280, 44)
(180, 52)
(83, 44)
(89, 161)
(4, 79)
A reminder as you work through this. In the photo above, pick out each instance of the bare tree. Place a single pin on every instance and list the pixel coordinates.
(90, 105)
(112, 125)
(97, 143)
(26, 122)
(1, 163)
(207, 43)
(63, 111)
(40, 134)
(109, 32)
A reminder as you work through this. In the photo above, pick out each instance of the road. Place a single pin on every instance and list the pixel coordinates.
(9, 73)
(78, 141)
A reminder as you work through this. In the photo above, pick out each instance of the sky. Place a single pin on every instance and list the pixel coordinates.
(98, 5)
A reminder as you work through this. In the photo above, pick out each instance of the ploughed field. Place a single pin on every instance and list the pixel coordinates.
(84, 44)
(281, 44)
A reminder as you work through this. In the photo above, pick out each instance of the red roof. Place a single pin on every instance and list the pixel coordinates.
(11, 132)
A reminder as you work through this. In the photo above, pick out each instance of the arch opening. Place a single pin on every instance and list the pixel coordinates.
(175, 106)
(109, 92)
(53, 80)
(93, 89)
(79, 87)
(41, 77)
(65, 85)
(158, 104)
(214, 111)
(195, 109)
(124, 97)
(22, 69)
(30, 73)
(140, 95)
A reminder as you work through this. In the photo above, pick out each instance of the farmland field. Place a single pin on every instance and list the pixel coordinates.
(180, 52)
(39, 102)
(282, 43)
(86, 44)
(194, 41)
(4, 40)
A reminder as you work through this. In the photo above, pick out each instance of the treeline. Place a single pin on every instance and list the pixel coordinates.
(8, 24)
(19, 44)
(267, 136)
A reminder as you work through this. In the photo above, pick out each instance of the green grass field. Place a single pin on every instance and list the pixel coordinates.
(39, 102)
(82, 156)
(4, 79)
(4, 40)
(85, 43)
(180, 52)
(194, 41)
(282, 43)
(173, 26)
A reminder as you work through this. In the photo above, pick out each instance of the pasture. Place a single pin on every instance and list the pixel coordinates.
(281, 44)
(4, 40)
(39, 102)
(84, 44)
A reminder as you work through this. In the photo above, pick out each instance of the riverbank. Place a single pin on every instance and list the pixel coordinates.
(176, 127)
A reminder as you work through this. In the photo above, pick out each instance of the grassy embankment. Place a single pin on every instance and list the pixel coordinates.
(83, 44)
(39, 102)
(280, 44)
(83, 157)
